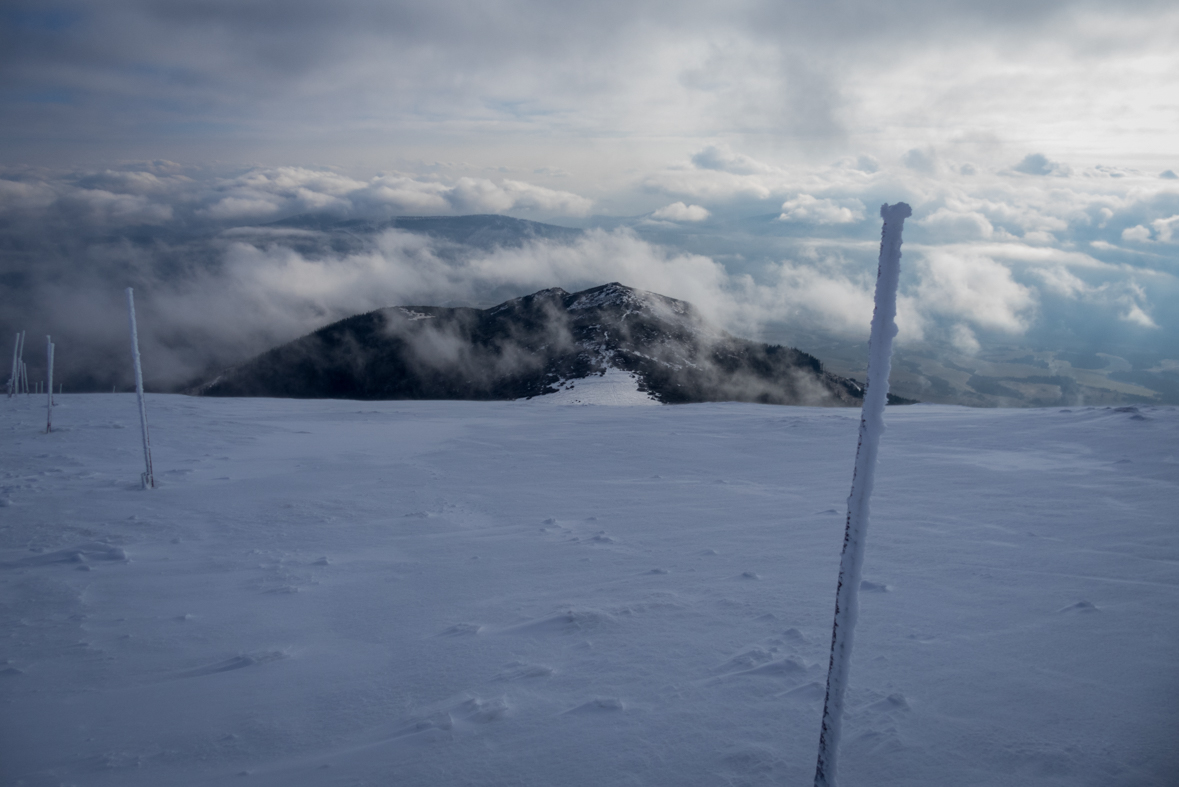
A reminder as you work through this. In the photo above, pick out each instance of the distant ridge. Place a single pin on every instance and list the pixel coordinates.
(528, 347)
(482, 231)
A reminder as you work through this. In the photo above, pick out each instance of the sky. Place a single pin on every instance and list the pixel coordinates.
(732, 155)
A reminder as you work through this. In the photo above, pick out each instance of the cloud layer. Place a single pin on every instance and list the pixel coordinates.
(587, 92)
(1032, 249)
(1083, 260)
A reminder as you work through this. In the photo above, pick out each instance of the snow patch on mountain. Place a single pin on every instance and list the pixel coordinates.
(613, 387)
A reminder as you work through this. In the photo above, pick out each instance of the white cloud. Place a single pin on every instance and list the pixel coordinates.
(1132, 299)
(976, 289)
(1061, 281)
(964, 339)
(817, 292)
(1135, 314)
(719, 173)
(1137, 233)
(1165, 228)
(721, 157)
(104, 207)
(526, 196)
(265, 194)
(471, 195)
(17, 196)
(1038, 164)
(715, 185)
(924, 161)
(805, 208)
(954, 225)
(404, 195)
(679, 211)
(242, 209)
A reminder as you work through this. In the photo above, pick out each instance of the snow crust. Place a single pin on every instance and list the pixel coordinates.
(438, 593)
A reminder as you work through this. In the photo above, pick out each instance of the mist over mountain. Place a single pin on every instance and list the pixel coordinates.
(213, 292)
(532, 345)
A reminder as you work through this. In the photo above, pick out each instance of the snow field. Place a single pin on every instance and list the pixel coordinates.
(435, 593)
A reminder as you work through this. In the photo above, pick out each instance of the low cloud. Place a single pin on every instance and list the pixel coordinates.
(924, 161)
(679, 211)
(721, 157)
(805, 208)
(1165, 229)
(988, 259)
(1136, 234)
(964, 339)
(265, 194)
(953, 225)
(142, 198)
(1038, 164)
(975, 289)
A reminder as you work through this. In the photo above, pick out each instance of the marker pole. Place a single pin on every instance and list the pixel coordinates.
(149, 480)
(851, 562)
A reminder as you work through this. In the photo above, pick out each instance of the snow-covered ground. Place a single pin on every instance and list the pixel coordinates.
(446, 593)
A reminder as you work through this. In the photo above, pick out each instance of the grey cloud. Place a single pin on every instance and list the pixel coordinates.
(869, 164)
(237, 81)
(721, 157)
(1038, 164)
(924, 161)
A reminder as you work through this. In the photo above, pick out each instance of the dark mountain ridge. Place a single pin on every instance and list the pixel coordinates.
(483, 230)
(527, 346)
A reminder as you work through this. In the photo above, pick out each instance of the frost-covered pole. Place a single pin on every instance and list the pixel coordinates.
(851, 563)
(20, 360)
(15, 358)
(149, 480)
(49, 385)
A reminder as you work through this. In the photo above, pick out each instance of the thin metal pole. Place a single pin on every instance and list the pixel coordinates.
(149, 480)
(851, 562)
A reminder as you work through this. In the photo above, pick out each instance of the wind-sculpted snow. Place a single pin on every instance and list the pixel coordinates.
(440, 593)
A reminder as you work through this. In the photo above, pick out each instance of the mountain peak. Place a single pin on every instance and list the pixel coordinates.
(613, 294)
(531, 346)
(619, 295)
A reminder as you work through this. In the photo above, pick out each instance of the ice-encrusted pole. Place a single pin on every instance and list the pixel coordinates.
(884, 328)
(149, 480)
(15, 359)
(49, 385)
(22, 372)
(20, 359)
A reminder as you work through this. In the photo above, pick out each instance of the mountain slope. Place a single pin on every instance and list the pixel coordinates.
(527, 346)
